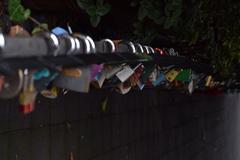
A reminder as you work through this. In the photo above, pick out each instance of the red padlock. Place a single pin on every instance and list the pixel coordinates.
(27, 108)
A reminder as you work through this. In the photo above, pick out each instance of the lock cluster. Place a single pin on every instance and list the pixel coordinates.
(52, 63)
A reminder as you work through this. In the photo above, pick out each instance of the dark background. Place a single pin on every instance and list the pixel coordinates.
(150, 125)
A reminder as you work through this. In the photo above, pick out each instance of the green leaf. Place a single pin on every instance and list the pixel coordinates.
(27, 13)
(99, 3)
(91, 11)
(142, 13)
(194, 38)
(168, 23)
(40, 29)
(103, 10)
(95, 9)
(17, 12)
(104, 105)
(95, 20)
(84, 4)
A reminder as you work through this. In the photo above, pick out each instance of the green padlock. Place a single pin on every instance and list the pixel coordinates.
(184, 75)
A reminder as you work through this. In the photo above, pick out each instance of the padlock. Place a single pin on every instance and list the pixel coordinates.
(72, 72)
(146, 73)
(152, 77)
(43, 73)
(18, 31)
(184, 75)
(172, 74)
(44, 81)
(80, 84)
(209, 81)
(12, 85)
(59, 31)
(51, 93)
(28, 95)
(160, 79)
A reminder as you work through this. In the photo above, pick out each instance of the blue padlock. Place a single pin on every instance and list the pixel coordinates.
(59, 31)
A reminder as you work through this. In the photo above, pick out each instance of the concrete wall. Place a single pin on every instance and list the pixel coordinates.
(152, 125)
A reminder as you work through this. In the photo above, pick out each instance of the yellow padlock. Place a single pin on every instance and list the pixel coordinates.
(172, 74)
(50, 93)
(209, 80)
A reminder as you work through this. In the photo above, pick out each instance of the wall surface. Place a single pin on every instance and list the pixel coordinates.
(148, 125)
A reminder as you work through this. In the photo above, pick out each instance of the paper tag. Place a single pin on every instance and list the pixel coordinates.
(135, 78)
(125, 73)
(112, 70)
(171, 75)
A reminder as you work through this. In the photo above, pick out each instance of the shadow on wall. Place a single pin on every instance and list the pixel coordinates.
(140, 125)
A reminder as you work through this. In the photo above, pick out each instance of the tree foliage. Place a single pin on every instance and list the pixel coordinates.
(213, 24)
(216, 23)
(95, 9)
(17, 12)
